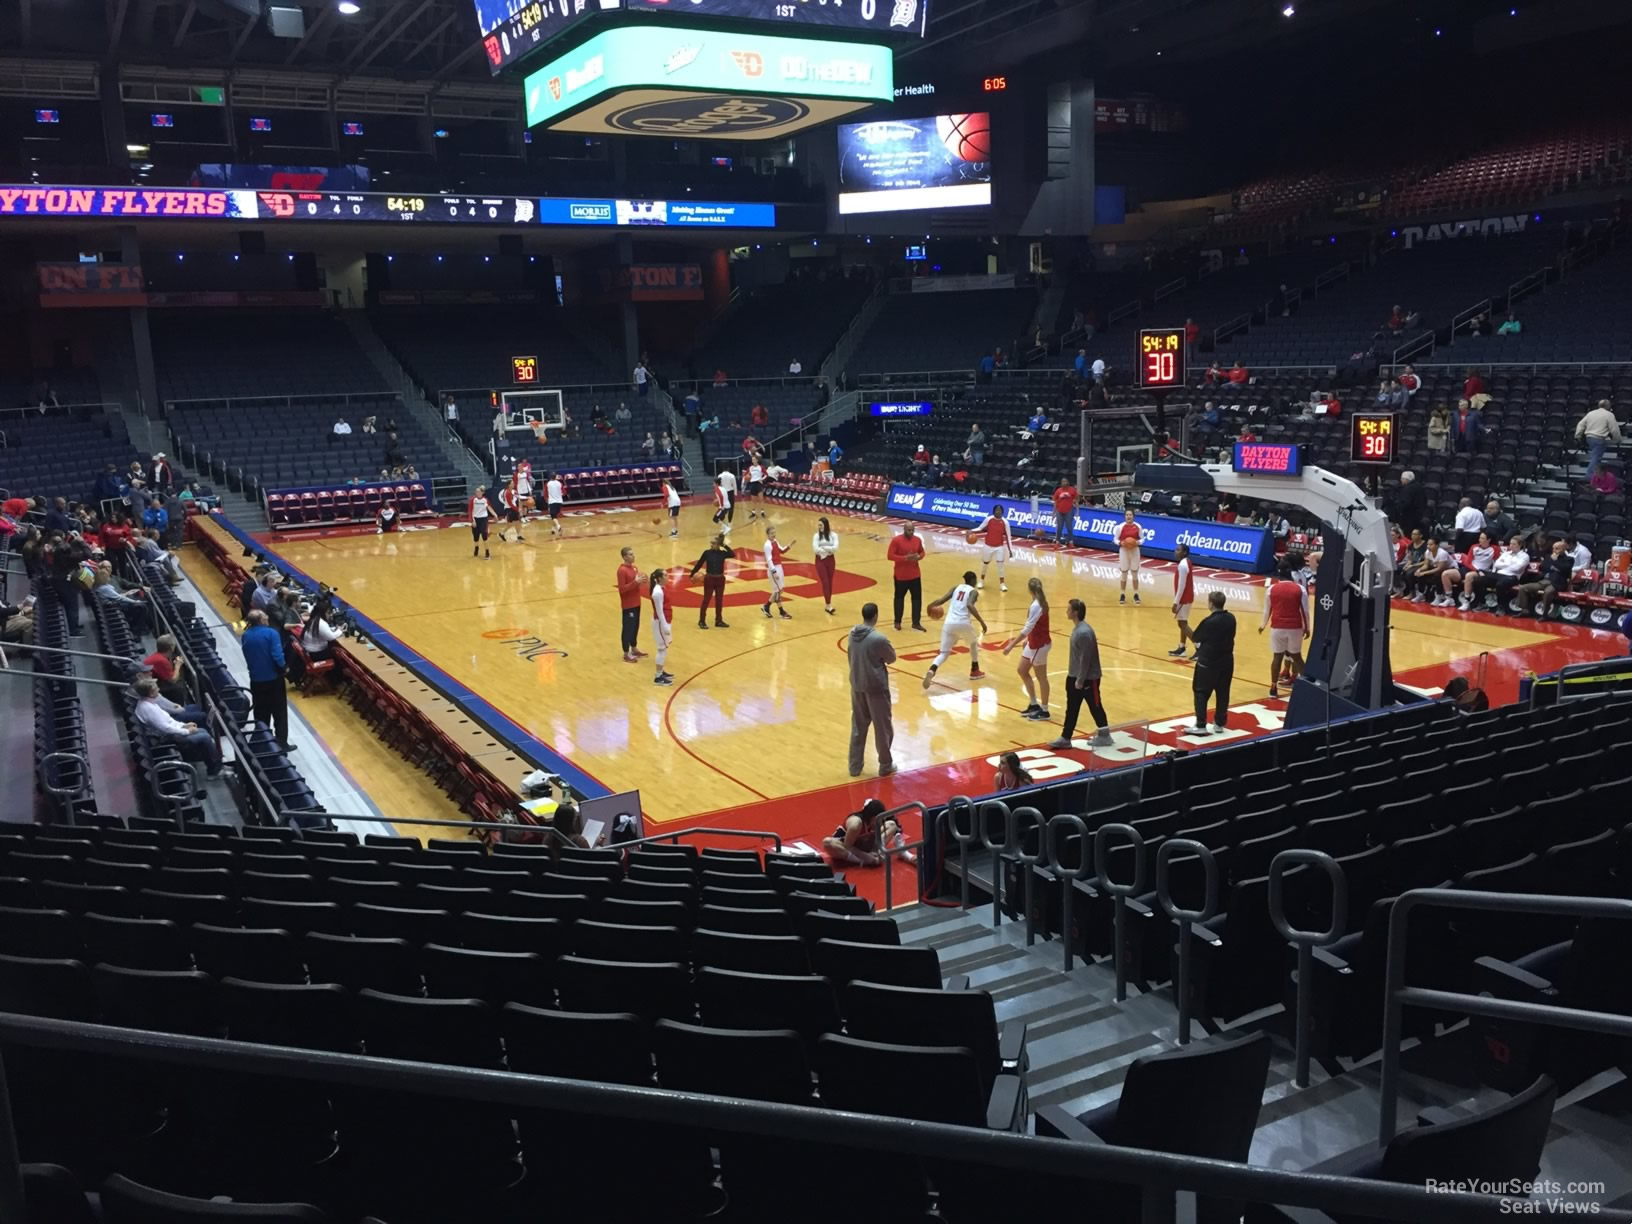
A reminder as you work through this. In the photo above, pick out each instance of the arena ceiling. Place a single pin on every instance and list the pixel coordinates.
(434, 42)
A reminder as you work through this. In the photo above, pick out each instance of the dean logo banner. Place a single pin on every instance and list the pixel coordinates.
(1216, 544)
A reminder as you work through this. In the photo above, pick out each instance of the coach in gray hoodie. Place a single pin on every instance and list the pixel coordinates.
(870, 657)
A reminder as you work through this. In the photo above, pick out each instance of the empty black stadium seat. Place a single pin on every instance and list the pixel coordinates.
(127, 1202)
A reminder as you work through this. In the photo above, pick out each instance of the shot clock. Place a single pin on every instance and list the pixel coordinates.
(1161, 357)
(524, 370)
(1372, 437)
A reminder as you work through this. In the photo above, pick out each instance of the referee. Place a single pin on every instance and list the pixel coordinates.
(1215, 664)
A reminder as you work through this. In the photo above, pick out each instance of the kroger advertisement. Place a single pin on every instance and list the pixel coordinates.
(665, 57)
(1222, 545)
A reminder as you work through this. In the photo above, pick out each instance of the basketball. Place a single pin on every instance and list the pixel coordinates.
(966, 137)
(936, 612)
(970, 537)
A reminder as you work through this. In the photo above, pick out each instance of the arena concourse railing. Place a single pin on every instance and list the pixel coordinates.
(1160, 1177)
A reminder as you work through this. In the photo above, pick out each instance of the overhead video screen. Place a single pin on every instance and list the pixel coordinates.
(512, 28)
(892, 165)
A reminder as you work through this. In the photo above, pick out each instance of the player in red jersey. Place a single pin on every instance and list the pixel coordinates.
(998, 546)
(1184, 594)
(1128, 537)
(774, 552)
(1286, 616)
(1034, 658)
(662, 625)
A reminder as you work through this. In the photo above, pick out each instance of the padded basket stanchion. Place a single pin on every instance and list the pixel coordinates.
(998, 849)
(1120, 892)
(964, 840)
(1307, 941)
(1067, 876)
(1026, 818)
(1186, 918)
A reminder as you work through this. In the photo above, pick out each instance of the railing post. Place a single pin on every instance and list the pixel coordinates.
(1067, 876)
(1120, 892)
(998, 851)
(964, 841)
(1030, 862)
(12, 1206)
(1186, 918)
(1307, 941)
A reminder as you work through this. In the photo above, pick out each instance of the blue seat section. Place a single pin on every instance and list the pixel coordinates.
(446, 348)
(212, 355)
(59, 453)
(942, 331)
(771, 326)
(1585, 317)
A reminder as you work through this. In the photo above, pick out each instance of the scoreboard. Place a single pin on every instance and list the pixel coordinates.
(524, 370)
(1161, 357)
(1373, 437)
(378, 206)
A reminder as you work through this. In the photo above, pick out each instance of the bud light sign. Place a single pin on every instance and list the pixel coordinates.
(1226, 546)
(914, 409)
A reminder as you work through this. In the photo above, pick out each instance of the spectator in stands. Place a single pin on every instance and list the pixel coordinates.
(57, 517)
(1439, 430)
(1192, 336)
(985, 367)
(796, 367)
(17, 622)
(340, 429)
(1213, 376)
(1396, 319)
(1510, 326)
(920, 457)
(870, 657)
(1010, 773)
(181, 725)
(1467, 428)
(935, 472)
(1409, 382)
(1238, 375)
(1479, 558)
(369, 426)
(1508, 571)
(622, 415)
(1425, 575)
(1600, 428)
(975, 445)
(108, 590)
(1470, 521)
(320, 633)
(641, 378)
(168, 668)
(1579, 553)
(393, 450)
(1215, 665)
(1037, 421)
(1479, 325)
(759, 416)
(1246, 433)
(1081, 363)
(151, 551)
(139, 496)
(667, 445)
(156, 518)
(266, 591)
(1408, 553)
(1472, 385)
(391, 425)
(692, 407)
(648, 446)
(1390, 395)
(263, 655)
(598, 421)
(1555, 575)
(164, 476)
(1097, 367)
(719, 377)
(1065, 505)
(1497, 521)
(137, 472)
(108, 486)
(410, 472)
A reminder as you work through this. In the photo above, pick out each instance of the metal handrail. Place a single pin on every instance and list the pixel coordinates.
(1307, 941)
(1118, 892)
(1397, 995)
(1169, 289)
(1471, 312)
(1590, 667)
(889, 853)
(1227, 329)
(64, 679)
(1126, 310)
(1186, 919)
(1412, 347)
(505, 825)
(78, 654)
(1159, 1174)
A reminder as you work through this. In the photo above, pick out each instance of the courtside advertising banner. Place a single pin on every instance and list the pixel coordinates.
(1226, 546)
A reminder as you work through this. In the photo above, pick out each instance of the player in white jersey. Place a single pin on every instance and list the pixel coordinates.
(555, 494)
(662, 624)
(481, 510)
(523, 485)
(775, 550)
(754, 490)
(960, 608)
(726, 497)
(671, 498)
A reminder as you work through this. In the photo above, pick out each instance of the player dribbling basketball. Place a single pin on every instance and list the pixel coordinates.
(958, 631)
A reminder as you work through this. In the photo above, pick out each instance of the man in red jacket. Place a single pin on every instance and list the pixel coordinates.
(1065, 504)
(905, 552)
(629, 592)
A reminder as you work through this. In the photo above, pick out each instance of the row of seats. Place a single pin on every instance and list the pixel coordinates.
(347, 503)
(61, 760)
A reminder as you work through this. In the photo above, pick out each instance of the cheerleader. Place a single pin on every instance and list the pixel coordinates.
(774, 552)
(662, 625)
(480, 511)
(824, 544)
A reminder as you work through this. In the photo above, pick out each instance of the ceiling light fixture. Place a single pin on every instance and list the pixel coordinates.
(349, 8)
(1289, 11)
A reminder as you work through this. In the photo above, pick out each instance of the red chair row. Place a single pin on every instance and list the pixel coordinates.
(345, 503)
(617, 483)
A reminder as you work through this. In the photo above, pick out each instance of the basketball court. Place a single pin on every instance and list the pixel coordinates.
(754, 731)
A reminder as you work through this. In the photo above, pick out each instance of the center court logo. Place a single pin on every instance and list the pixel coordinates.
(708, 115)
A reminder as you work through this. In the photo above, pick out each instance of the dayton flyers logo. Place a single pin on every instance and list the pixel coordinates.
(278, 203)
(751, 63)
(555, 88)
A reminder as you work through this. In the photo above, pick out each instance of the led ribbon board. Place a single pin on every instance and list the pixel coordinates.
(701, 83)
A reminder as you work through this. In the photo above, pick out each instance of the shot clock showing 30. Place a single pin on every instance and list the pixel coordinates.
(1372, 437)
(524, 369)
(1161, 357)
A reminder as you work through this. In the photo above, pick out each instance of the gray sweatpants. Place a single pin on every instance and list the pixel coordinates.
(870, 709)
